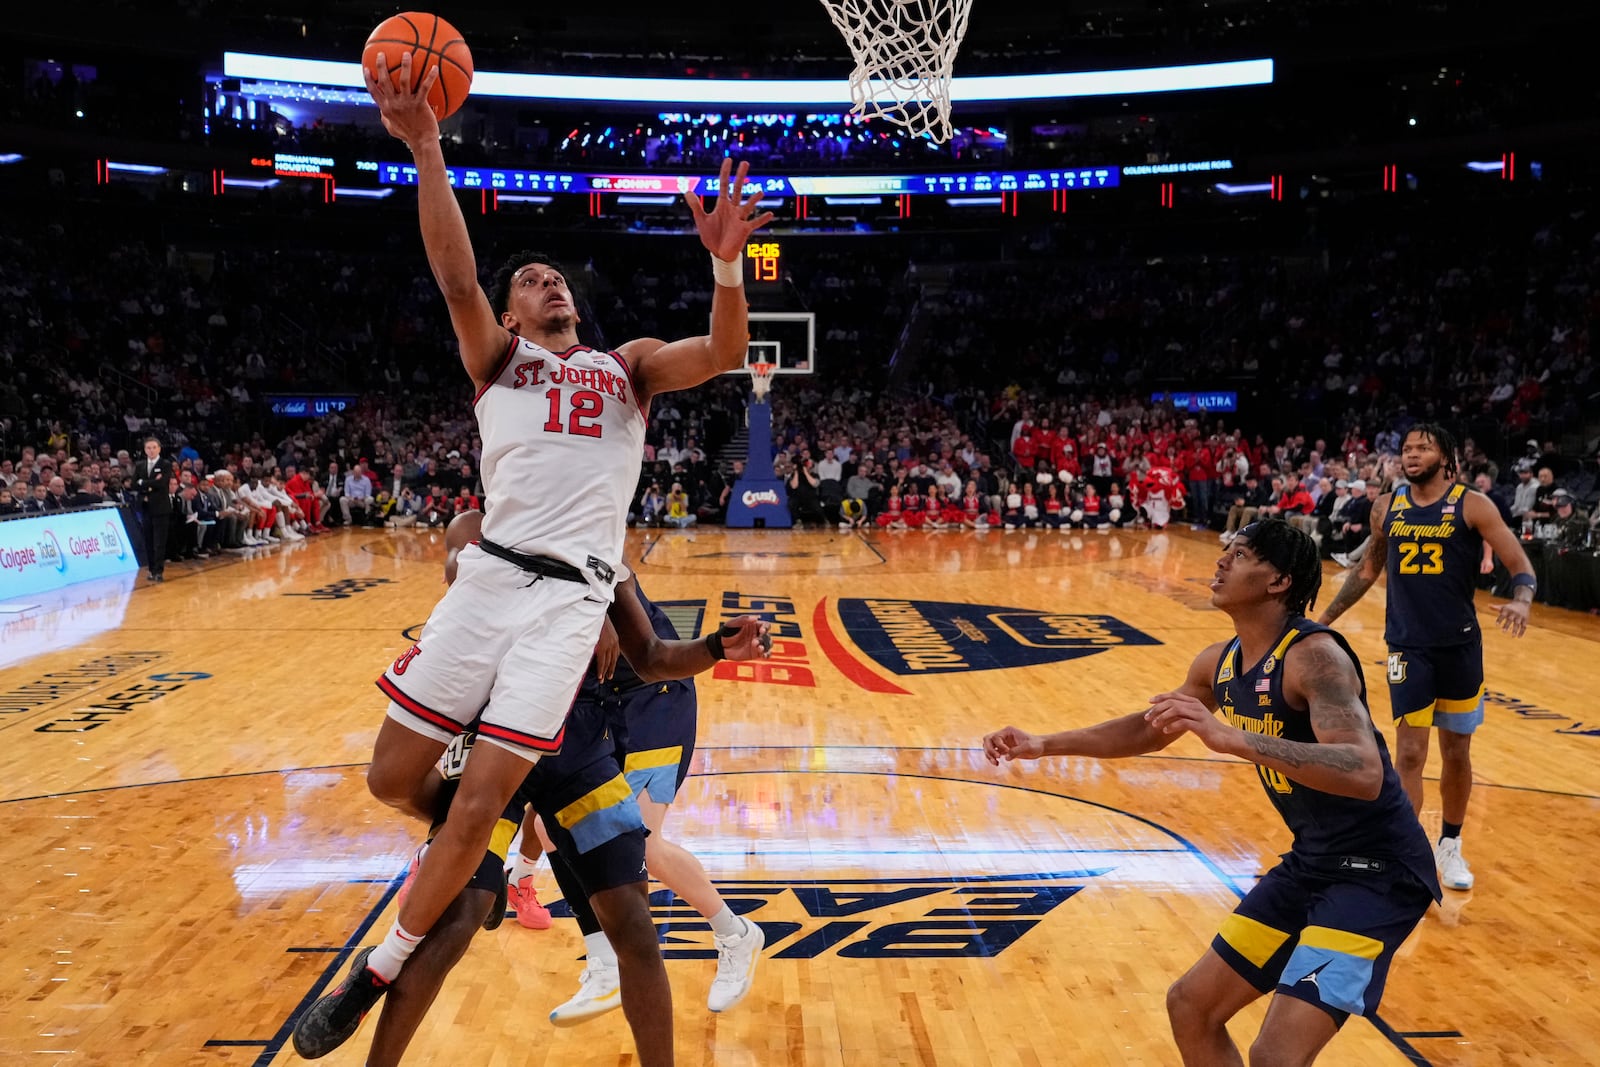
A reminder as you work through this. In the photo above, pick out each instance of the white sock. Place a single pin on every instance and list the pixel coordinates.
(599, 950)
(522, 867)
(387, 959)
(726, 924)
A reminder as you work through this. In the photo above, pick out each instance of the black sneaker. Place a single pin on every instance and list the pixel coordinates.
(497, 912)
(332, 1020)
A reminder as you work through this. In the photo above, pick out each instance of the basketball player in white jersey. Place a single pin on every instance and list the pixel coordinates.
(563, 435)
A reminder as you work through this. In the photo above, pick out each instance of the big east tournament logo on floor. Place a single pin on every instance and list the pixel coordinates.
(905, 637)
(935, 637)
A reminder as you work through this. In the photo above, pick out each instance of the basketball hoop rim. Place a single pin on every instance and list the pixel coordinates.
(761, 376)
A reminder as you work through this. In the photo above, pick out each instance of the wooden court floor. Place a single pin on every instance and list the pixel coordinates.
(190, 855)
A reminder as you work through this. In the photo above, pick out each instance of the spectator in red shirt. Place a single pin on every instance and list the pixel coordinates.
(1045, 440)
(436, 508)
(303, 491)
(1201, 469)
(1026, 450)
(1296, 505)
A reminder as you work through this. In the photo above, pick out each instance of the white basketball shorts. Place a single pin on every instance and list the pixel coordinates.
(502, 643)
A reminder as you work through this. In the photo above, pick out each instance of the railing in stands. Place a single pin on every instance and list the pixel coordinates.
(129, 382)
(928, 283)
(333, 359)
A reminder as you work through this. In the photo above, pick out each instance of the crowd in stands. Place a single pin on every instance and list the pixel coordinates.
(1020, 393)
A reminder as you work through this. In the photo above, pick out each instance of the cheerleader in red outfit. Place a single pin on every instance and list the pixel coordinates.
(1030, 507)
(1091, 507)
(1052, 510)
(893, 516)
(916, 513)
(933, 508)
(972, 515)
(1116, 506)
(1013, 512)
(952, 513)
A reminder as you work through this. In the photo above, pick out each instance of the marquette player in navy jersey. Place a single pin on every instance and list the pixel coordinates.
(563, 428)
(1429, 536)
(1320, 930)
(654, 725)
(585, 801)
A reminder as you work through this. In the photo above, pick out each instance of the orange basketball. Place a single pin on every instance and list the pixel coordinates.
(432, 42)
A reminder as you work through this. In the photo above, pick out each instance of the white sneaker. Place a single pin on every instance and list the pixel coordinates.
(736, 967)
(599, 991)
(1453, 870)
(1342, 560)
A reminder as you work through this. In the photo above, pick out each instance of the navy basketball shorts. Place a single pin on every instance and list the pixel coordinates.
(1440, 686)
(654, 726)
(491, 870)
(587, 806)
(1326, 940)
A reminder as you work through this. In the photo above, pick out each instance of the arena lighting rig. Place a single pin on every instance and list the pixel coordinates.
(328, 74)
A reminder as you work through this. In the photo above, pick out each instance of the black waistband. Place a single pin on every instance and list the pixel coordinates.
(543, 566)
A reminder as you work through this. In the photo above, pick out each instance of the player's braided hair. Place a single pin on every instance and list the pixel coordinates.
(1294, 553)
(500, 290)
(1445, 441)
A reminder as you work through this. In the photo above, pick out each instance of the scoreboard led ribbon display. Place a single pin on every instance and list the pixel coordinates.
(505, 180)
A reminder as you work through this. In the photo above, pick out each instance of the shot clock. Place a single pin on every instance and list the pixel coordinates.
(763, 266)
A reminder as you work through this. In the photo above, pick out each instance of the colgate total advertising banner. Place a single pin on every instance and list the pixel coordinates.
(49, 551)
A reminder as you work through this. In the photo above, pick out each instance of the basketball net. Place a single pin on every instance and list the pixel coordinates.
(761, 380)
(905, 53)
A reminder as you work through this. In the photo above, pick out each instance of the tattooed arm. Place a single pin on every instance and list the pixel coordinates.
(1344, 759)
(1361, 579)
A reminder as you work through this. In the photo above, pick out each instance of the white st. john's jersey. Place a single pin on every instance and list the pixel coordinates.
(563, 437)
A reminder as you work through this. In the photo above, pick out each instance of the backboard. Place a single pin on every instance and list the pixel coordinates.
(785, 338)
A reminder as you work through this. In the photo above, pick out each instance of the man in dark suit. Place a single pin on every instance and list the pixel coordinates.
(83, 494)
(152, 478)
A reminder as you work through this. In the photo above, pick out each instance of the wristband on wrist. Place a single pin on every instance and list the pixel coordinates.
(729, 272)
(714, 644)
(1524, 581)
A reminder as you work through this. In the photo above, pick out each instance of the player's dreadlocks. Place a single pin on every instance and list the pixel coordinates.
(1294, 553)
(1444, 440)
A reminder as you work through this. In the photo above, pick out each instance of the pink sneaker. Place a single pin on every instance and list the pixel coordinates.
(525, 899)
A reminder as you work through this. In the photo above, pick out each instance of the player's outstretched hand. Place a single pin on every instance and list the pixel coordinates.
(1513, 617)
(1010, 744)
(1180, 713)
(725, 228)
(606, 651)
(750, 638)
(405, 114)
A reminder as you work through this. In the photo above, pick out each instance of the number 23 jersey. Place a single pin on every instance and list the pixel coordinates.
(563, 437)
(1432, 565)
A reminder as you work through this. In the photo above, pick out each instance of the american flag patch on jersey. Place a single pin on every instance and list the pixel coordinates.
(1263, 685)
(1449, 509)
